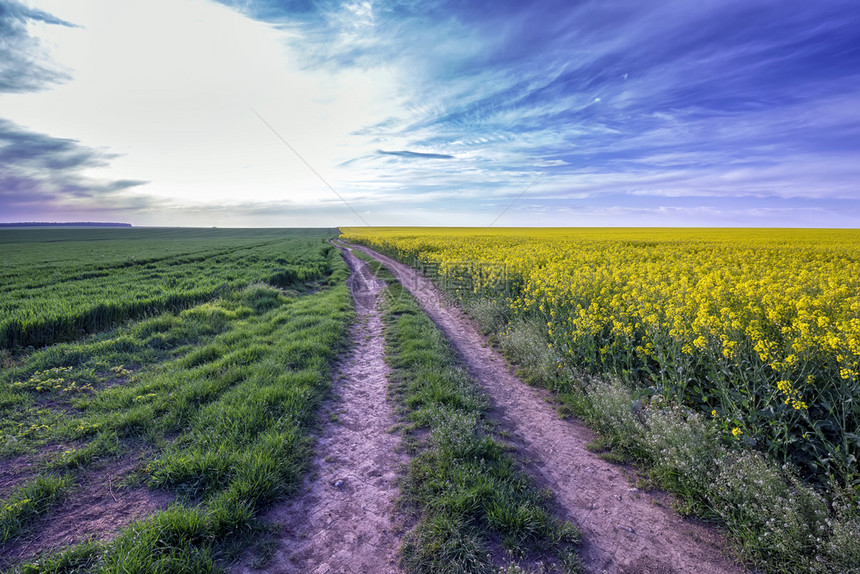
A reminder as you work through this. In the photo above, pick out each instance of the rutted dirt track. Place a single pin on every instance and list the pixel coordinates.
(625, 531)
(341, 521)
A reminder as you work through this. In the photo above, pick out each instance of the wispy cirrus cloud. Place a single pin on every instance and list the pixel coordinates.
(650, 99)
(24, 61)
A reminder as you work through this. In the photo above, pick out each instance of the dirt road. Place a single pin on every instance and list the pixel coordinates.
(625, 531)
(341, 521)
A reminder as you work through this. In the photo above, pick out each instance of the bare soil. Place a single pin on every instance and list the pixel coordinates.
(14, 471)
(626, 531)
(17, 470)
(97, 509)
(342, 520)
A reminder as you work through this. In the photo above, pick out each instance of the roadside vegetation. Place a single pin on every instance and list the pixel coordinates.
(471, 509)
(724, 361)
(213, 404)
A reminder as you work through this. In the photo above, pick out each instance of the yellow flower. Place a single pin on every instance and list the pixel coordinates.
(783, 300)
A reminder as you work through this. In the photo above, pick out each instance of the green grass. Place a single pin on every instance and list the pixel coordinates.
(79, 559)
(469, 498)
(26, 503)
(218, 400)
(58, 284)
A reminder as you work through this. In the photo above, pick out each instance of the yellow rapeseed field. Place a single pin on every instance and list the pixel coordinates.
(758, 328)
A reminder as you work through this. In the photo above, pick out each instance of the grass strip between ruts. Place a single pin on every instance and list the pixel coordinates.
(474, 510)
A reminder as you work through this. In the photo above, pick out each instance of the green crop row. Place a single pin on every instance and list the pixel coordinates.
(61, 285)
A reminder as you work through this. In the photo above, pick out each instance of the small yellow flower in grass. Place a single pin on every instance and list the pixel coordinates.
(737, 431)
(714, 413)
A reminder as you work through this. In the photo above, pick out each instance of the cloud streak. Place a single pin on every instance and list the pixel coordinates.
(415, 154)
(24, 63)
(43, 174)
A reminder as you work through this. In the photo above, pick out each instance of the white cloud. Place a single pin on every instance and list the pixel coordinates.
(170, 85)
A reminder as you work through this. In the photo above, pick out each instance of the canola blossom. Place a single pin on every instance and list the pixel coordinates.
(759, 328)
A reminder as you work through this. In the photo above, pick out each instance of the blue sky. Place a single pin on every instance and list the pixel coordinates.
(323, 113)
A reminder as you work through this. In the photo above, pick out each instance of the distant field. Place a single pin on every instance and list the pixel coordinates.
(56, 284)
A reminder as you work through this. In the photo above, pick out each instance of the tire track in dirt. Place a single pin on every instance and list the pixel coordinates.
(624, 531)
(341, 520)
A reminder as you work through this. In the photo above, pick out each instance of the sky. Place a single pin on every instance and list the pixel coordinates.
(286, 113)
